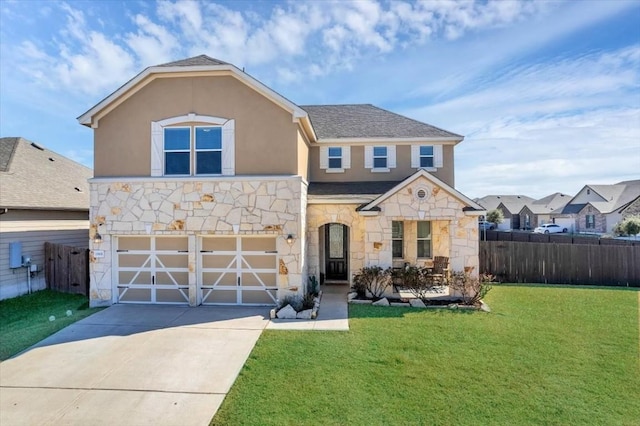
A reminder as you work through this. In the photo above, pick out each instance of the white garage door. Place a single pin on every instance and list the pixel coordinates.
(505, 225)
(238, 270)
(152, 270)
(565, 222)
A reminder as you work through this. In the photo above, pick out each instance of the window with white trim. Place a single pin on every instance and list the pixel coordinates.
(397, 237)
(334, 157)
(193, 150)
(590, 221)
(379, 157)
(179, 149)
(424, 239)
(426, 156)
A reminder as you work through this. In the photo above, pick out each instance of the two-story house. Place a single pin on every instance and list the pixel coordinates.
(211, 188)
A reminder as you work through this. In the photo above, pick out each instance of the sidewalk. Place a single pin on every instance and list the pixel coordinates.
(333, 314)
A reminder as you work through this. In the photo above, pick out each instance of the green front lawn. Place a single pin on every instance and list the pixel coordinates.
(24, 320)
(545, 355)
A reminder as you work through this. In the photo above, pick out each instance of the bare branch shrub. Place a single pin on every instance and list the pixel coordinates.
(374, 279)
(417, 280)
(471, 289)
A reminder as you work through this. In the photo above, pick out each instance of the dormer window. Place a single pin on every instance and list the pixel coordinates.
(335, 159)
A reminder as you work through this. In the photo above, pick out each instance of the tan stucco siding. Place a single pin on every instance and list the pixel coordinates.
(358, 173)
(265, 138)
(303, 156)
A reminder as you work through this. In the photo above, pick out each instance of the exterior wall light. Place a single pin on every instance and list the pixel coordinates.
(290, 239)
(97, 238)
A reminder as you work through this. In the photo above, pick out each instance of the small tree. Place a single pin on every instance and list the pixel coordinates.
(495, 216)
(471, 289)
(374, 279)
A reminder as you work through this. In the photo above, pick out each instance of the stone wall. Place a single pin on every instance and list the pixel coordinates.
(600, 220)
(454, 234)
(216, 206)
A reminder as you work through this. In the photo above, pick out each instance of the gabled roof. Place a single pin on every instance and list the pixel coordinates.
(365, 121)
(201, 60)
(513, 203)
(36, 178)
(470, 205)
(615, 197)
(198, 64)
(549, 204)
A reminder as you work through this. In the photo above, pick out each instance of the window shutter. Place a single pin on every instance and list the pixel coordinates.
(157, 151)
(229, 148)
(346, 157)
(437, 156)
(368, 157)
(415, 156)
(324, 157)
(391, 156)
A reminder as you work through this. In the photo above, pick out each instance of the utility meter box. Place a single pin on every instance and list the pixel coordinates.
(15, 254)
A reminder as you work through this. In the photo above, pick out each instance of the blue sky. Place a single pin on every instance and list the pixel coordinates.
(546, 93)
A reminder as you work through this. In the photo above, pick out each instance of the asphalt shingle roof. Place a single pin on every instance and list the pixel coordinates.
(513, 203)
(549, 204)
(367, 121)
(350, 188)
(195, 61)
(36, 178)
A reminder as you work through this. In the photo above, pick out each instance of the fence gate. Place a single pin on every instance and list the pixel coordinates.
(66, 268)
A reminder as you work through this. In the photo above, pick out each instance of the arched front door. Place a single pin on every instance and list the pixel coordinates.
(336, 248)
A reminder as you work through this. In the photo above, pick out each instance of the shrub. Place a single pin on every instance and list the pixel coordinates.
(308, 301)
(416, 280)
(471, 289)
(313, 286)
(374, 279)
(629, 226)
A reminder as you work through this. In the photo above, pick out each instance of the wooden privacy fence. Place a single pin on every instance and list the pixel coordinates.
(66, 268)
(583, 264)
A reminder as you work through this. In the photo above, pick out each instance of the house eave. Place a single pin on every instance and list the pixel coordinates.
(386, 140)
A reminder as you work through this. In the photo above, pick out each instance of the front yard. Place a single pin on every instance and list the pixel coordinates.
(24, 320)
(545, 355)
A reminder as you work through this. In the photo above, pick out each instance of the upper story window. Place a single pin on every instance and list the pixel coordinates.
(428, 157)
(380, 158)
(183, 150)
(335, 159)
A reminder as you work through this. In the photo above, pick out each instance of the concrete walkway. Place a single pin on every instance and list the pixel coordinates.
(333, 314)
(131, 365)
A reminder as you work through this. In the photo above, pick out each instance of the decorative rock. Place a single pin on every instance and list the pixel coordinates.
(52, 318)
(400, 304)
(361, 302)
(69, 313)
(287, 313)
(351, 295)
(417, 303)
(381, 302)
(484, 307)
(306, 314)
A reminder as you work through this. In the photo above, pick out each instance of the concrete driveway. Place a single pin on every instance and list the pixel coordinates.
(131, 365)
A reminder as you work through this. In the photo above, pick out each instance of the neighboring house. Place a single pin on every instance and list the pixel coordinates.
(44, 197)
(597, 208)
(211, 188)
(510, 205)
(538, 212)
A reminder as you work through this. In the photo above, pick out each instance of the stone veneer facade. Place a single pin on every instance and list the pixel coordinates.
(271, 206)
(197, 207)
(454, 233)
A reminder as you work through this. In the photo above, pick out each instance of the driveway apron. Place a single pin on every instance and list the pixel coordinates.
(131, 365)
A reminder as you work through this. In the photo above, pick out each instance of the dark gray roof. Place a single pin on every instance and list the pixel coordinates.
(36, 178)
(350, 188)
(573, 208)
(367, 121)
(195, 61)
